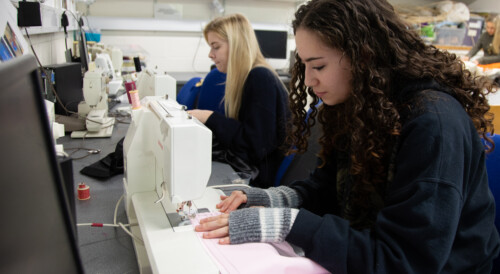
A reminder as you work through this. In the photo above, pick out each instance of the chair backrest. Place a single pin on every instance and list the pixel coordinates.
(299, 166)
(493, 169)
(188, 95)
(212, 91)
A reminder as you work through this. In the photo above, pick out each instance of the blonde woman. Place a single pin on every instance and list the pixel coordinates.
(255, 100)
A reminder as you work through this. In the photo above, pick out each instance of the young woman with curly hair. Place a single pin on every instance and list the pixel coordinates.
(401, 184)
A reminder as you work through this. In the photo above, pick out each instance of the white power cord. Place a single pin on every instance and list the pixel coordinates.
(115, 223)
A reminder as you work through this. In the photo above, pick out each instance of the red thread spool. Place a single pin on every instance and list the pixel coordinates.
(83, 192)
(134, 96)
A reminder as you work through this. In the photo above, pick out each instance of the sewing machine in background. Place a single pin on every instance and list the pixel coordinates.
(115, 83)
(110, 60)
(94, 108)
(156, 83)
(168, 162)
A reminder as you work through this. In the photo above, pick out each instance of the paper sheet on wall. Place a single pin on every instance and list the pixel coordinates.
(12, 42)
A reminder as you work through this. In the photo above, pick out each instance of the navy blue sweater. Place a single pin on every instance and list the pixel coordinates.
(439, 212)
(260, 130)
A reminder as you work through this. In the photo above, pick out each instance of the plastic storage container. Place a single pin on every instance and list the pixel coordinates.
(450, 36)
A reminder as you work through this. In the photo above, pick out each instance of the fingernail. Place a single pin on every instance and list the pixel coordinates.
(221, 241)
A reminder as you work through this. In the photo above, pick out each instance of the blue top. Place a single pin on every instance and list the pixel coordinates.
(438, 215)
(260, 130)
(212, 91)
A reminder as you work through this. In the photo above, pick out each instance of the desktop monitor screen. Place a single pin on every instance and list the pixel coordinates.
(272, 43)
(84, 53)
(37, 232)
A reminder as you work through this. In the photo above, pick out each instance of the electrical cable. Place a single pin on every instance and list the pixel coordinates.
(115, 223)
(120, 118)
(90, 151)
(88, 24)
(49, 79)
(42, 68)
(59, 101)
(124, 226)
(53, 89)
(74, 16)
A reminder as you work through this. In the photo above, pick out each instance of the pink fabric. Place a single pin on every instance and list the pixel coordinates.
(256, 257)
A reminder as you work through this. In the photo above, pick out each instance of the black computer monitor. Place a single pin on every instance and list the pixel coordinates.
(37, 231)
(272, 43)
(84, 53)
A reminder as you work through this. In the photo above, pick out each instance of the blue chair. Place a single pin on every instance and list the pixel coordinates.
(493, 169)
(188, 95)
(212, 91)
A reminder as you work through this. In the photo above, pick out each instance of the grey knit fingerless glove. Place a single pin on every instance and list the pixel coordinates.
(260, 224)
(281, 196)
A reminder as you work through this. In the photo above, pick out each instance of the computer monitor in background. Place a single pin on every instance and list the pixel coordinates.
(272, 43)
(37, 231)
(84, 53)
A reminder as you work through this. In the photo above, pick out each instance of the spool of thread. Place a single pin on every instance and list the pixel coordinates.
(137, 64)
(128, 87)
(83, 192)
(134, 97)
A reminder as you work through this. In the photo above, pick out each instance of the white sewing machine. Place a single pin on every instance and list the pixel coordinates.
(95, 107)
(156, 83)
(168, 161)
(110, 60)
(103, 61)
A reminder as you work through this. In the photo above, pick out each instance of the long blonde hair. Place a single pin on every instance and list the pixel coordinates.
(244, 55)
(496, 37)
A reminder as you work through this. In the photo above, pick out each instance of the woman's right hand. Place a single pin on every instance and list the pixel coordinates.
(232, 202)
(200, 114)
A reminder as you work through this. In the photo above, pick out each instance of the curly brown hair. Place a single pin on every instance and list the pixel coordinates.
(384, 51)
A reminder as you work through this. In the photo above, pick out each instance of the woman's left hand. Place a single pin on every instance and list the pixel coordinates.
(231, 203)
(215, 227)
(201, 114)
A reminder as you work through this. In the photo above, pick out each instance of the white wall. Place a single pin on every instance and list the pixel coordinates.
(171, 52)
(177, 49)
(182, 47)
(50, 47)
(177, 45)
(269, 11)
